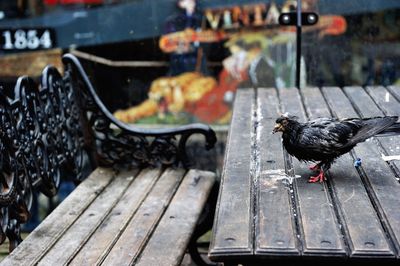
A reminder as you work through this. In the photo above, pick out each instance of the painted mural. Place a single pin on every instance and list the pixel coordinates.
(259, 53)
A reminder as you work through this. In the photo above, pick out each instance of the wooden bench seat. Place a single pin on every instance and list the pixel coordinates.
(145, 217)
(142, 203)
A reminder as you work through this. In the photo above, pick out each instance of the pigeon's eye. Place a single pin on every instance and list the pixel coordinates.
(281, 120)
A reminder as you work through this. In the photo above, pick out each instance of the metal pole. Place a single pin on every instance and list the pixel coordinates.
(298, 43)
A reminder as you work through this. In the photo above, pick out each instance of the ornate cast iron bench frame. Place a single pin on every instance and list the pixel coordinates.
(49, 130)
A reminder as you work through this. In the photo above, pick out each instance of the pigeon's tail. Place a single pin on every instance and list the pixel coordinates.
(374, 126)
(393, 130)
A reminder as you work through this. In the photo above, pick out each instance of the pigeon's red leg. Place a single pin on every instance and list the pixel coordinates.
(320, 177)
(314, 167)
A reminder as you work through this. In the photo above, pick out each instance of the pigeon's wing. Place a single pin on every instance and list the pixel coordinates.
(321, 122)
(393, 130)
(325, 136)
(369, 127)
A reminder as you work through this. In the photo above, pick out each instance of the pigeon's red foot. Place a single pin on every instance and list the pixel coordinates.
(314, 167)
(320, 177)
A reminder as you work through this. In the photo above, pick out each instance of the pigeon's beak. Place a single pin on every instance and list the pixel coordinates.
(278, 127)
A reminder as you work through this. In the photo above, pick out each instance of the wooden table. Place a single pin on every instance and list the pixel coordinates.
(267, 210)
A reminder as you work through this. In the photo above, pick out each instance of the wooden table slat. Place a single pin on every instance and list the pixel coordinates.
(315, 103)
(391, 106)
(361, 100)
(384, 99)
(338, 102)
(52, 228)
(166, 246)
(395, 90)
(233, 225)
(275, 228)
(101, 241)
(320, 226)
(136, 234)
(291, 103)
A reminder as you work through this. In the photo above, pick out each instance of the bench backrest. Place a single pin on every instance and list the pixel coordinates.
(52, 129)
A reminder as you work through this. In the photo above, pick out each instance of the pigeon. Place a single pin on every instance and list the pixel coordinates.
(325, 139)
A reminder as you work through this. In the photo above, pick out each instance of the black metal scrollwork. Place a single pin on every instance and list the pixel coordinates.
(120, 144)
(53, 129)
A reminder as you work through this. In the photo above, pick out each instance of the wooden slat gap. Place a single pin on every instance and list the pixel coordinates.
(370, 192)
(61, 233)
(100, 197)
(376, 111)
(315, 107)
(380, 145)
(292, 193)
(255, 165)
(332, 199)
(335, 201)
(395, 91)
(172, 235)
(375, 140)
(275, 229)
(136, 174)
(377, 207)
(29, 250)
(382, 150)
(175, 189)
(168, 196)
(353, 104)
(367, 90)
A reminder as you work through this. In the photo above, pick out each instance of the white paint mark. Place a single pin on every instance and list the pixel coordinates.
(351, 196)
(390, 157)
(387, 96)
(279, 174)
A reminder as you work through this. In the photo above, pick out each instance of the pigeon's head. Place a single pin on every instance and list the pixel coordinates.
(282, 122)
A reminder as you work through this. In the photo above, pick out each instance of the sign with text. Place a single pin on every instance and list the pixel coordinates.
(25, 39)
(251, 15)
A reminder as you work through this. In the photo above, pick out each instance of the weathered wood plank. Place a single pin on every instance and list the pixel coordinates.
(233, 225)
(385, 189)
(136, 234)
(367, 108)
(390, 106)
(384, 99)
(321, 228)
(168, 243)
(315, 103)
(89, 220)
(362, 224)
(52, 228)
(366, 235)
(99, 244)
(292, 103)
(274, 228)
(362, 101)
(385, 186)
(395, 90)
